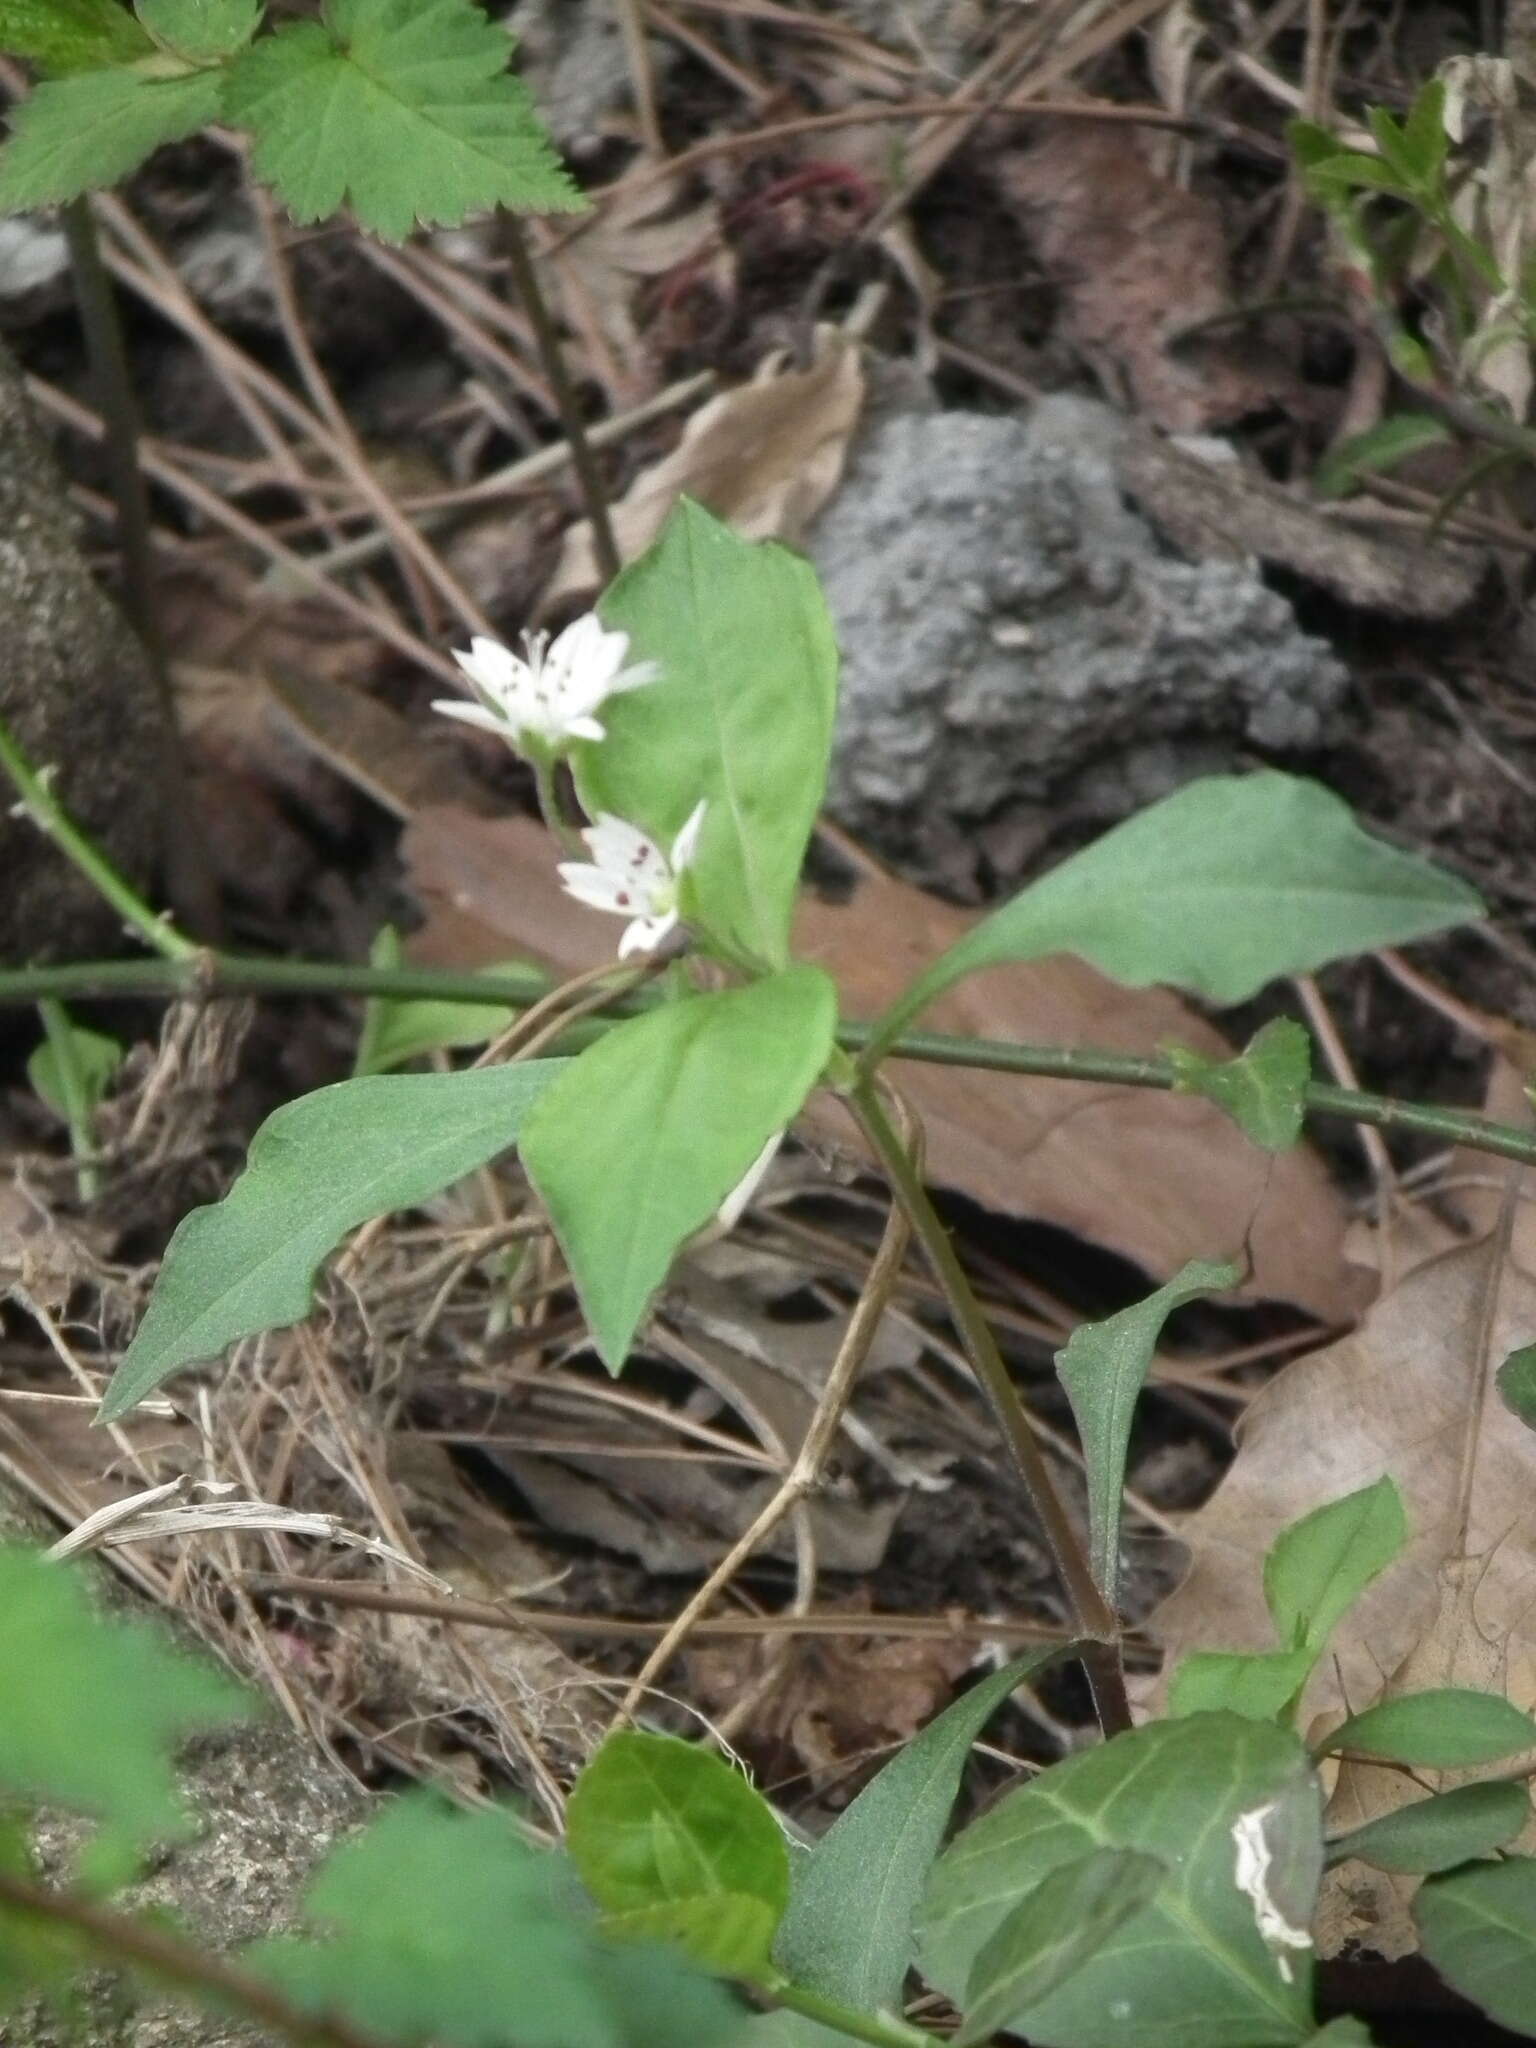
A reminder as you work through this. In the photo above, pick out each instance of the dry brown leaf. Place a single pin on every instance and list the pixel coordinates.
(766, 457)
(1159, 1178)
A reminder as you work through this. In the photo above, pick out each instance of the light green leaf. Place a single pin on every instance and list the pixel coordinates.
(1103, 1369)
(725, 1932)
(854, 1896)
(1380, 449)
(1218, 889)
(405, 107)
(74, 135)
(73, 1077)
(398, 1029)
(1199, 1967)
(1444, 1729)
(1438, 1833)
(1516, 1382)
(318, 1168)
(1477, 1926)
(92, 1709)
(448, 1927)
(1263, 1090)
(1052, 1931)
(201, 30)
(741, 716)
(61, 36)
(1262, 1685)
(1317, 1568)
(655, 1824)
(642, 1138)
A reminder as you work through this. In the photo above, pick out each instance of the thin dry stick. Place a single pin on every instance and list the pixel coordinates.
(642, 80)
(804, 1476)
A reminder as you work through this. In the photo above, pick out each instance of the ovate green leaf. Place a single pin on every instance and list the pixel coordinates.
(1516, 1381)
(1205, 1964)
(74, 135)
(1477, 1926)
(1218, 889)
(741, 716)
(854, 1896)
(642, 1138)
(403, 107)
(60, 36)
(1317, 1568)
(318, 1168)
(1263, 1090)
(1262, 1685)
(202, 30)
(1445, 1729)
(1103, 1369)
(1440, 1832)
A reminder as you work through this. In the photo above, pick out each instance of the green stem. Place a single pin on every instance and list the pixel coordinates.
(549, 807)
(1091, 1612)
(61, 1037)
(879, 2029)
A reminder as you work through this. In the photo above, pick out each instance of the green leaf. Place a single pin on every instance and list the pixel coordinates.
(854, 1897)
(203, 31)
(1053, 1930)
(662, 1829)
(318, 1168)
(725, 1932)
(1438, 1833)
(60, 36)
(1103, 1369)
(405, 107)
(1317, 1568)
(1199, 1967)
(641, 1139)
(1425, 141)
(1380, 448)
(1262, 1685)
(72, 1078)
(1477, 1926)
(398, 1029)
(1346, 2032)
(1263, 1090)
(74, 135)
(1444, 1729)
(91, 1709)
(482, 1947)
(1352, 170)
(1219, 888)
(1516, 1382)
(741, 716)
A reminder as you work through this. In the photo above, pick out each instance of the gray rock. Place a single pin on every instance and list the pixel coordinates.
(1014, 635)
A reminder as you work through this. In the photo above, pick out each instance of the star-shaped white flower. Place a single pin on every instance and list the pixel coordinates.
(631, 876)
(546, 696)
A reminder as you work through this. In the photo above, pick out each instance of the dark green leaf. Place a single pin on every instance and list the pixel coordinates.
(1052, 1932)
(60, 36)
(203, 31)
(1262, 1685)
(1477, 1925)
(1103, 1369)
(1263, 1090)
(318, 1168)
(1516, 1380)
(639, 1142)
(1202, 1966)
(741, 716)
(1448, 1728)
(1440, 1832)
(854, 1896)
(75, 135)
(1380, 448)
(1317, 1568)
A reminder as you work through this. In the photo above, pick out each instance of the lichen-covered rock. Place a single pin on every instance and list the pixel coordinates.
(77, 695)
(1014, 635)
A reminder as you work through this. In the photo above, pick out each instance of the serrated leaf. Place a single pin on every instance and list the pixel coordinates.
(61, 36)
(1103, 1369)
(1221, 887)
(1263, 1090)
(483, 1947)
(318, 1168)
(91, 1710)
(405, 108)
(75, 135)
(1261, 1685)
(1444, 1728)
(663, 1829)
(1380, 448)
(1052, 1932)
(1318, 1567)
(1202, 1966)
(1438, 1833)
(1477, 1926)
(1516, 1382)
(854, 1896)
(741, 716)
(639, 1142)
(202, 30)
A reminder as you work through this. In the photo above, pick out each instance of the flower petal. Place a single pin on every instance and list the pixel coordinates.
(645, 934)
(473, 714)
(729, 1212)
(685, 845)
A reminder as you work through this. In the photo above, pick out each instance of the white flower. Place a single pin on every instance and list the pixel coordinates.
(548, 694)
(728, 1215)
(631, 876)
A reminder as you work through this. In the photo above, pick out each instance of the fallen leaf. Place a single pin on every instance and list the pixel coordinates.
(1081, 1157)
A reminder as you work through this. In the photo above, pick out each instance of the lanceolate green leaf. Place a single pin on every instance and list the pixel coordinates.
(1317, 1568)
(853, 1898)
(741, 716)
(74, 135)
(640, 1141)
(1103, 1369)
(1440, 1832)
(403, 107)
(1477, 1925)
(1447, 1728)
(1263, 1090)
(318, 1167)
(1219, 888)
(61, 36)
(1205, 1964)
